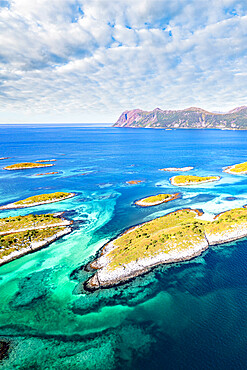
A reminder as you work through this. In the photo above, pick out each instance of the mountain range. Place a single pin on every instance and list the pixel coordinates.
(235, 119)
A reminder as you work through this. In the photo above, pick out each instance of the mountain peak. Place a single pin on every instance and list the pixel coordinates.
(238, 109)
(195, 109)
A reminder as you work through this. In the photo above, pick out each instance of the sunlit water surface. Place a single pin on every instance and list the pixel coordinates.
(185, 316)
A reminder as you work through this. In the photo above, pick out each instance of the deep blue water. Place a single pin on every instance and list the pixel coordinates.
(185, 316)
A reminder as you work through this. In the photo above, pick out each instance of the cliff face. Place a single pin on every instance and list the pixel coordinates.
(187, 118)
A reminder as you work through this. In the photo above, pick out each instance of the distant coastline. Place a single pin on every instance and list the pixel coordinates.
(189, 118)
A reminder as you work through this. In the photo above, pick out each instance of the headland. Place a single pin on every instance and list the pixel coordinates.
(189, 118)
(176, 237)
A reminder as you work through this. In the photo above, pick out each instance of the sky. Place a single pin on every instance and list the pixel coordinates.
(87, 61)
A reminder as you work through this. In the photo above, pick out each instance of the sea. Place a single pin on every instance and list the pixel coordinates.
(189, 315)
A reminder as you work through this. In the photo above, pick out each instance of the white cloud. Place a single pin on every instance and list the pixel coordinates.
(87, 61)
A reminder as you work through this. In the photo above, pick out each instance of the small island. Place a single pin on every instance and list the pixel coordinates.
(182, 180)
(46, 173)
(38, 200)
(46, 160)
(237, 169)
(174, 169)
(178, 236)
(156, 200)
(134, 182)
(26, 165)
(21, 235)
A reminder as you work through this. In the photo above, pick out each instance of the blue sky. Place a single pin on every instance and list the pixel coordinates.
(89, 60)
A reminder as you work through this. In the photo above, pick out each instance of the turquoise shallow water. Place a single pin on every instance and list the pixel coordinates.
(185, 316)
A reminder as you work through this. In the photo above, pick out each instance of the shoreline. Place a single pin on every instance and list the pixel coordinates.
(228, 170)
(64, 222)
(145, 265)
(105, 278)
(142, 203)
(13, 206)
(34, 246)
(183, 128)
(193, 183)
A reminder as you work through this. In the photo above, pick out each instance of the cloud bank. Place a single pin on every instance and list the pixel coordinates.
(89, 60)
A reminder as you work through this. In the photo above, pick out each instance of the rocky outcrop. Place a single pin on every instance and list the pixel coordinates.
(34, 246)
(105, 278)
(106, 275)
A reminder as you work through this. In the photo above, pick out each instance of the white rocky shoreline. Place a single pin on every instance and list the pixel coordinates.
(14, 206)
(230, 170)
(105, 278)
(63, 223)
(34, 246)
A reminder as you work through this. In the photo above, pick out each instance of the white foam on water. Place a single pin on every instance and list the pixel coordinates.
(107, 185)
(220, 204)
(210, 208)
(229, 179)
(163, 183)
(190, 195)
